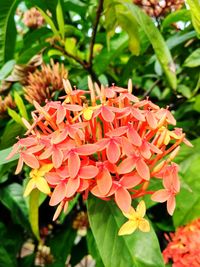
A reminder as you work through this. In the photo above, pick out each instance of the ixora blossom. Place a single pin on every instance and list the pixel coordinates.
(183, 248)
(112, 145)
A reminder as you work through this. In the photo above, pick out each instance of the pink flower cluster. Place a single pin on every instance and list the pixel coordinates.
(112, 145)
(183, 248)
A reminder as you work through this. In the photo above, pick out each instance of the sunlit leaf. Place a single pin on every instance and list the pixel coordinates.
(105, 220)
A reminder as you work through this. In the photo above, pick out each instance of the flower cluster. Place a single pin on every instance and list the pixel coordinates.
(112, 145)
(43, 83)
(157, 8)
(33, 19)
(183, 248)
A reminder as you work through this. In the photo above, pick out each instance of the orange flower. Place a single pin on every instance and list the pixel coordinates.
(183, 248)
(112, 149)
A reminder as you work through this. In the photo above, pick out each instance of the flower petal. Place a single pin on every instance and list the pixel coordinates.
(123, 199)
(113, 152)
(151, 120)
(60, 114)
(74, 164)
(58, 194)
(161, 195)
(142, 169)
(128, 228)
(30, 160)
(30, 186)
(88, 149)
(88, 172)
(171, 204)
(19, 165)
(107, 114)
(126, 166)
(42, 185)
(57, 157)
(72, 186)
(130, 180)
(134, 137)
(53, 178)
(144, 225)
(141, 208)
(104, 181)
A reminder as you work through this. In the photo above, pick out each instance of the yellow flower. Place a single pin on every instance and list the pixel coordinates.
(136, 220)
(38, 181)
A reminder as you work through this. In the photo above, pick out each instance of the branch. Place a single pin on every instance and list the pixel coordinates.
(77, 59)
(85, 64)
(94, 32)
(150, 89)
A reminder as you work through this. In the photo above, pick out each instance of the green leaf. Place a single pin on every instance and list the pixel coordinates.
(3, 155)
(60, 19)
(179, 38)
(6, 69)
(49, 21)
(176, 16)
(197, 103)
(195, 11)
(11, 131)
(188, 200)
(12, 197)
(159, 45)
(13, 114)
(139, 249)
(193, 60)
(129, 24)
(5, 258)
(34, 212)
(30, 52)
(92, 249)
(7, 29)
(20, 104)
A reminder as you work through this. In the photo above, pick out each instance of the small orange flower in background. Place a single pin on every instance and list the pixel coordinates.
(183, 249)
(112, 146)
(33, 19)
(43, 83)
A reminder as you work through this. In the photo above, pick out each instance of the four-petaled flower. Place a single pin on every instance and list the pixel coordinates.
(135, 220)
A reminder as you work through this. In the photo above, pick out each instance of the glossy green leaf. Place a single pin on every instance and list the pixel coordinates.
(16, 117)
(92, 249)
(34, 212)
(5, 258)
(3, 155)
(60, 19)
(6, 69)
(188, 200)
(129, 24)
(156, 39)
(196, 105)
(176, 16)
(31, 52)
(193, 60)
(11, 196)
(195, 11)
(20, 104)
(119, 251)
(11, 131)
(7, 29)
(179, 38)
(49, 21)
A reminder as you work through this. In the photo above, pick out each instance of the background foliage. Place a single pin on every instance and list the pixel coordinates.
(111, 41)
